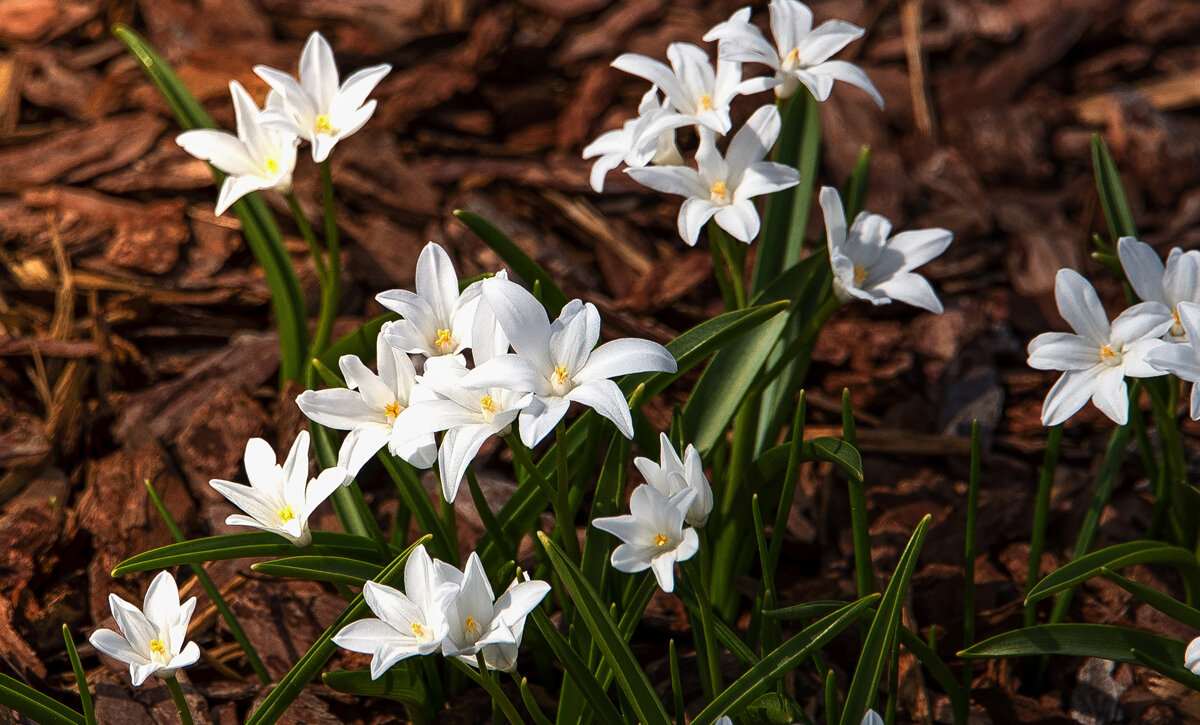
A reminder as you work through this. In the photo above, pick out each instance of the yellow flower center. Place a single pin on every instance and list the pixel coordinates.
(286, 514)
(560, 375)
(391, 410)
(272, 166)
(661, 539)
(417, 630)
(324, 126)
(706, 103)
(719, 193)
(1106, 352)
(487, 405)
(443, 339)
(470, 625)
(1177, 328)
(792, 61)
(860, 273)
(156, 647)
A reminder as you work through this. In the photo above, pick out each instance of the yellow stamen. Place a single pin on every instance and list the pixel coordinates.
(719, 193)
(860, 273)
(470, 625)
(272, 166)
(391, 410)
(443, 339)
(286, 514)
(156, 647)
(792, 61)
(417, 629)
(487, 404)
(560, 375)
(706, 103)
(1106, 352)
(1175, 316)
(660, 540)
(323, 124)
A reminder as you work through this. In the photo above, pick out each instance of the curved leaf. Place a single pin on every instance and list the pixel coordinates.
(25, 700)
(1114, 557)
(336, 569)
(552, 296)
(395, 684)
(577, 670)
(1105, 641)
(249, 544)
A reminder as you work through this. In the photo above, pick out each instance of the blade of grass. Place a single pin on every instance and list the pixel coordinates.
(81, 683)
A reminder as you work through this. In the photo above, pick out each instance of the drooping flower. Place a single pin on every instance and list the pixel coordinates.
(258, 157)
(480, 622)
(408, 623)
(723, 187)
(672, 475)
(151, 640)
(559, 362)
(1182, 359)
(868, 265)
(696, 93)
(801, 54)
(1098, 356)
(316, 108)
(437, 319)
(653, 534)
(647, 139)
(279, 499)
(368, 407)
(1178, 281)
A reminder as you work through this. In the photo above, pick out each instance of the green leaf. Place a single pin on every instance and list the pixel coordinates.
(552, 296)
(81, 684)
(250, 544)
(772, 463)
(577, 670)
(854, 191)
(1169, 606)
(1080, 640)
(782, 660)
(26, 701)
(1112, 193)
(336, 569)
(294, 682)
(396, 684)
(629, 674)
(1113, 557)
(878, 643)
(1171, 669)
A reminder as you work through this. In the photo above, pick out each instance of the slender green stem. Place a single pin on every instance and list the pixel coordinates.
(864, 568)
(720, 271)
(306, 231)
(806, 337)
(1041, 514)
(490, 523)
(706, 633)
(214, 594)
(331, 293)
(181, 706)
(735, 260)
(486, 682)
(449, 525)
(969, 569)
(566, 530)
(562, 506)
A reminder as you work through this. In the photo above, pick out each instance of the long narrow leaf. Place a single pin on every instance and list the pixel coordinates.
(552, 296)
(577, 670)
(81, 683)
(336, 569)
(395, 684)
(1114, 557)
(1169, 606)
(1081, 640)
(249, 544)
(40, 708)
(1112, 193)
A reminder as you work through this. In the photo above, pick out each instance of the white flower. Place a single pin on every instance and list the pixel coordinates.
(437, 319)
(653, 534)
(672, 475)
(800, 55)
(368, 407)
(279, 499)
(480, 622)
(412, 622)
(256, 158)
(647, 139)
(1182, 359)
(152, 638)
(316, 108)
(557, 363)
(869, 266)
(695, 92)
(1178, 282)
(1098, 357)
(1191, 658)
(872, 718)
(723, 187)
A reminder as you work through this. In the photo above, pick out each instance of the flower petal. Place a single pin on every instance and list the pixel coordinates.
(626, 356)
(1068, 395)
(1143, 268)
(605, 398)
(740, 219)
(1080, 307)
(1062, 351)
(1111, 395)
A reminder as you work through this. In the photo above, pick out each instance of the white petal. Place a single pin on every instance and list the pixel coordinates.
(791, 22)
(913, 289)
(766, 177)
(359, 84)
(1062, 351)
(679, 180)
(921, 245)
(318, 72)
(663, 566)
(625, 356)
(1182, 360)
(376, 393)
(1143, 268)
(652, 70)
(1080, 307)
(1111, 395)
(1068, 395)
(835, 218)
(523, 320)
(459, 447)
(336, 408)
(222, 149)
(513, 372)
(754, 140)
(605, 398)
(1145, 319)
(235, 187)
(693, 215)
(740, 219)
(1133, 361)
(116, 646)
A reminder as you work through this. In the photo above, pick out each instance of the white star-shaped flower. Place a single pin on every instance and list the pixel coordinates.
(1097, 357)
(723, 187)
(1178, 281)
(258, 157)
(672, 475)
(801, 53)
(653, 534)
(151, 640)
(316, 108)
(1182, 358)
(647, 139)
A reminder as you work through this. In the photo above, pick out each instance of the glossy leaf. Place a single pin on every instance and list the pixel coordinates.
(395, 684)
(1112, 193)
(552, 296)
(26, 701)
(336, 569)
(1113, 557)
(577, 670)
(1105, 641)
(246, 545)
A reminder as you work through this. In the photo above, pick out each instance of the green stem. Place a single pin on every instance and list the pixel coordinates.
(449, 525)
(486, 682)
(735, 260)
(864, 568)
(706, 633)
(1041, 515)
(968, 570)
(181, 706)
(720, 271)
(306, 231)
(562, 506)
(331, 292)
(562, 515)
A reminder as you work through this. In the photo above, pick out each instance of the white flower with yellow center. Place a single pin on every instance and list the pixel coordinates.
(256, 158)
(368, 407)
(279, 499)
(480, 622)
(870, 265)
(801, 53)
(437, 319)
(1177, 282)
(647, 139)
(1097, 357)
(316, 108)
(653, 534)
(697, 94)
(559, 362)
(1182, 358)
(673, 474)
(151, 640)
(723, 187)
(408, 623)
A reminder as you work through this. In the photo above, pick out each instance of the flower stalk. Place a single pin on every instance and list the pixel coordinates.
(181, 706)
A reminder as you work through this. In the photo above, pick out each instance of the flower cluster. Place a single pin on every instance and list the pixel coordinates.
(722, 186)
(443, 609)
(1151, 338)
